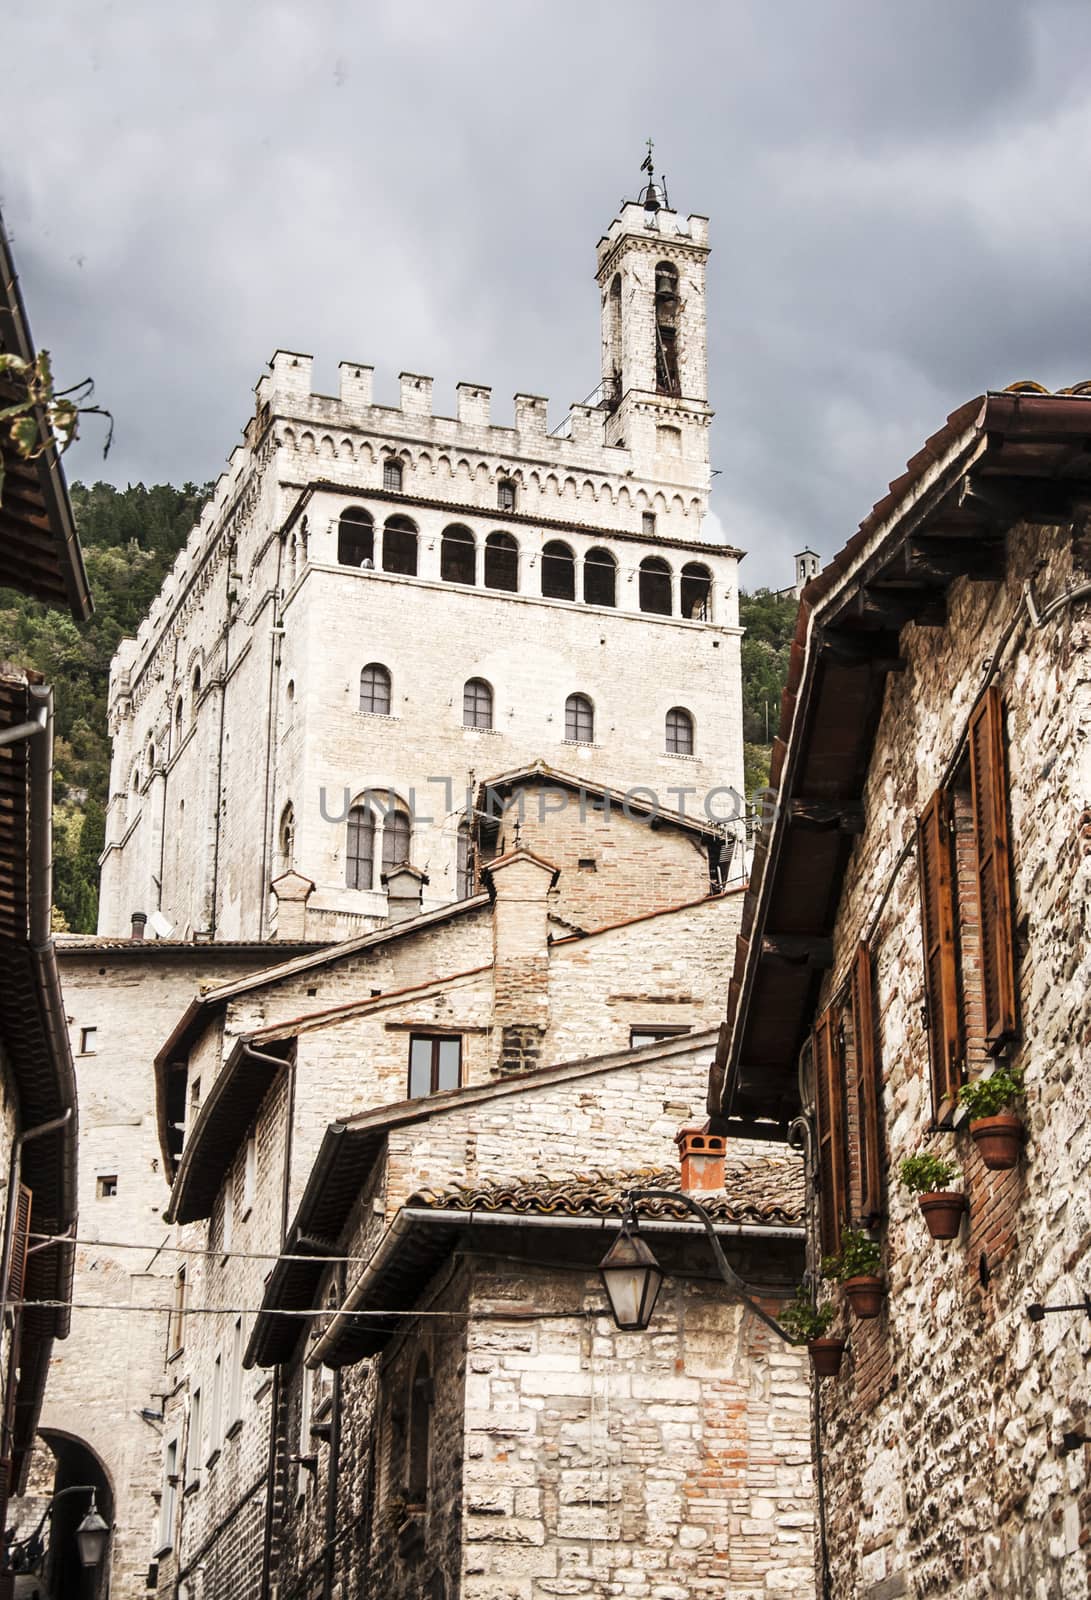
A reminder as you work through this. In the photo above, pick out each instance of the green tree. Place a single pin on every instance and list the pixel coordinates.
(769, 620)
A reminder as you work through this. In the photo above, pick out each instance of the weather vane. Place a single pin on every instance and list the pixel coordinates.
(646, 164)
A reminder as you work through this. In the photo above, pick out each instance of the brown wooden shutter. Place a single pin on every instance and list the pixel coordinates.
(945, 1048)
(20, 1241)
(830, 1113)
(867, 1085)
(988, 782)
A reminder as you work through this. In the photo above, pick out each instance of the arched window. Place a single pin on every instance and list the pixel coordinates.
(458, 555)
(375, 690)
(286, 838)
(196, 682)
(667, 379)
(696, 592)
(392, 475)
(579, 720)
(558, 571)
(612, 381)
(506, 494)
(655, 586)
(419, 1434)
(360, 848)
(397, 836)
(356, 538)
(400, 546)
(136, 780)
(476, 704)
(599, 578)
(679, 732)
(151, 759)
(501, 562)
(179, 717)
(464, 873)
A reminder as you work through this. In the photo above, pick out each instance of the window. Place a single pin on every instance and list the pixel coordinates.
(400, 546)
(501, 562)
(844, 1061)
(476, 704)
(169, 1498)
(679, 732)
(667, 379)
(304, 1477)
(579, 720)
(828, 1065)
(506, 494)
(599, 578)
(392, 475)
(935, 862)
(106, 1185)
(215, 1408)
(227, 1232)
(989, 791)
(435, 1063)
(458, 555)
(177, 1330)
(360, 848)
(88, 1041)
(420, 1433)
(356, 538)
(397, 838)
(375, 690)
(179, 718)
(286, 838)
(696, 592)
(558, 571)
(866, 1069)
(234, 1388)
(196, 683)
(249, 1174)
(194, 1441)
(652, 1032)
(655, 586)
(464, 873)
(647, 524)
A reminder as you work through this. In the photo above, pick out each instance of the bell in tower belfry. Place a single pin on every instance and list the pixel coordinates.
(651, 276)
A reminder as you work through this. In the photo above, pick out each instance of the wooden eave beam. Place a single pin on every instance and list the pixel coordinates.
(821, 815)
(813, 950)
(876, 651)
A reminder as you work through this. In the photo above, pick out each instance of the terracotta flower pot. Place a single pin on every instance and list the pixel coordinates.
(942, 1210)
(998, 1138)
(826, 1356)
(864, 1295)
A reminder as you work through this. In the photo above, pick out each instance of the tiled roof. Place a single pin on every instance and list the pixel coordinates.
(761, 1189)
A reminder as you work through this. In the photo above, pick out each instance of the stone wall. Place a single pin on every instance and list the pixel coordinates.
(946, 1467)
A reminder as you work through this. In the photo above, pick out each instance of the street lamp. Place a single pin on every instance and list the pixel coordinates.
(633, 1277)
(91, 1536)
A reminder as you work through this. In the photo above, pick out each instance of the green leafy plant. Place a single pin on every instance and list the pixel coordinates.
(987, 1097)
(803, 1320)
(927, 1174)
(859, 1257)
(32, 382)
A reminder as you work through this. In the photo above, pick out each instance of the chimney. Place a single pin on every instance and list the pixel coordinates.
(292, 891)
(139, 923)
(404, 887)
(519, 883)
(702, 1156)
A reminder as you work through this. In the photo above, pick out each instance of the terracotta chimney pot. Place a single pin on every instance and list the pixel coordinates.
(702, 1157)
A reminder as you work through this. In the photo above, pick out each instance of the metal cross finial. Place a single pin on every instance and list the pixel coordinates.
(646, 164)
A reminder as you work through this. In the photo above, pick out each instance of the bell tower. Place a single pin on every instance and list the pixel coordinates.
(651, 277)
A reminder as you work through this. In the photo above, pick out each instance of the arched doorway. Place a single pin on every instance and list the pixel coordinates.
(63, 1577)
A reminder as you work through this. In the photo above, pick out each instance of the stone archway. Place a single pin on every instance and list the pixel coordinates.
(63, 1577)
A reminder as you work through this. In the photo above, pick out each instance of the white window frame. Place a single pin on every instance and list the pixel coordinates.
(234, 1393)
(228, 1230)
(89, 1040)
(168, 1500)
(215, 1409)
(249, 1175)
(194, 1442)
(304, 1478)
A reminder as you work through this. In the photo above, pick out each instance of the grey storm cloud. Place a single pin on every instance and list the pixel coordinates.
(897, 195)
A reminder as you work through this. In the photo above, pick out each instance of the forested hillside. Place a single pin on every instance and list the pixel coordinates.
(129, 537)
(769, 620)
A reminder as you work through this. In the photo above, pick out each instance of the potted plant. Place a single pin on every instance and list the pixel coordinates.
(856, 1269)
(929, 1178)
(995, 1127)
(808, 1324)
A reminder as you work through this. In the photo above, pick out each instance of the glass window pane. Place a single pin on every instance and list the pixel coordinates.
(420, 1068)
(450, 1053)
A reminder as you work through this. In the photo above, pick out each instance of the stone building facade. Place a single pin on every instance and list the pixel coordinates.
(918, 921)
(382, 607)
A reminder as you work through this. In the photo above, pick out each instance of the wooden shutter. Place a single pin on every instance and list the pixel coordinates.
(988, 783)
(20, 1241)
(867, 1085)
(940, 952)
(830, 1113)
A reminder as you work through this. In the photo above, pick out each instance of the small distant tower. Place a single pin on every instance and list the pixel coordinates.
(651, 275)
(807, 567)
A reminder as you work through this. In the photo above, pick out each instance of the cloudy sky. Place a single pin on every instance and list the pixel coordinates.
(898, 195)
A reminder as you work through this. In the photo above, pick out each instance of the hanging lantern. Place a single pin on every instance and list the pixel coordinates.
(632, 1278)
(92, 1536)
